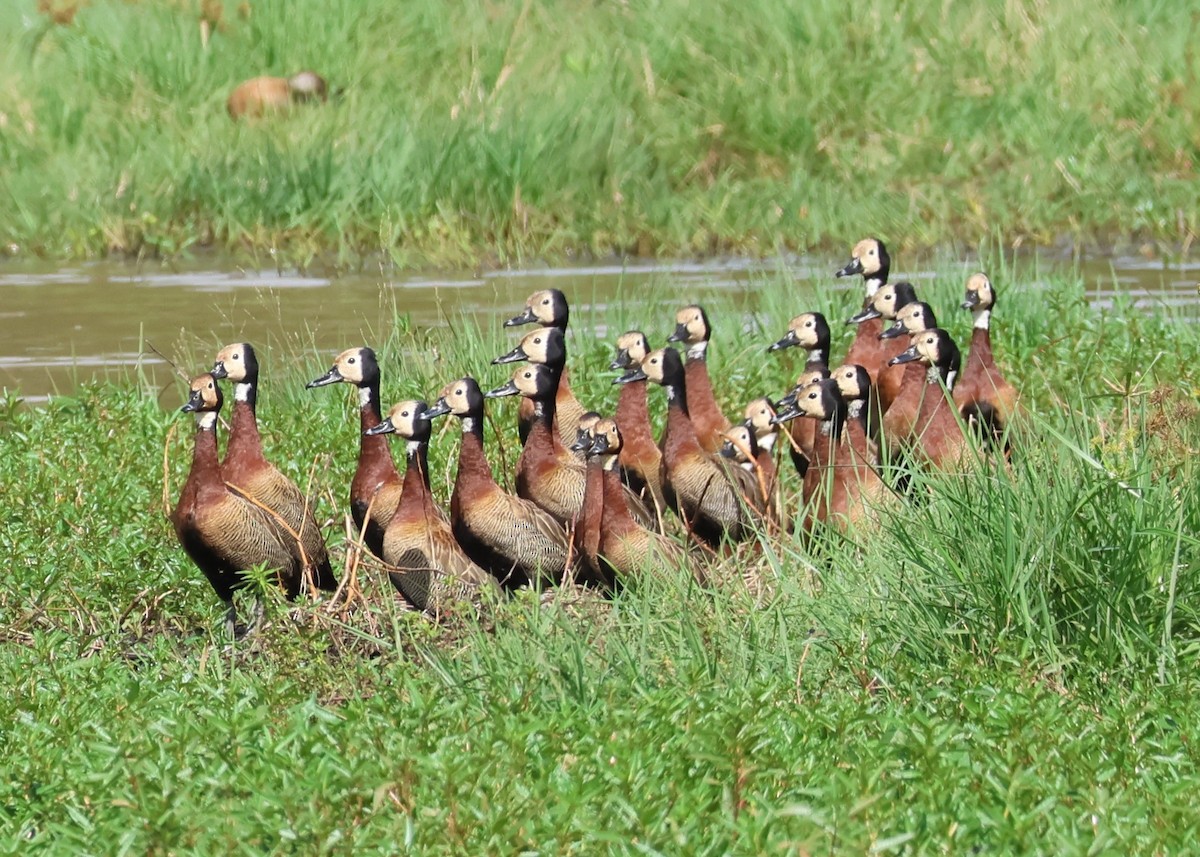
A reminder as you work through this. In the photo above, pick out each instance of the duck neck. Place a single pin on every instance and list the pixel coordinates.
(983, 318)
(416, 473)
(244, 438)
(875, 282)
(472, 462)
(633, 410)
(615, 510)
(698, 351)
(817, 357)
(205, 464)
(374, 452)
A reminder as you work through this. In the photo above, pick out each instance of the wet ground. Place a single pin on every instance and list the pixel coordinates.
(61, 325)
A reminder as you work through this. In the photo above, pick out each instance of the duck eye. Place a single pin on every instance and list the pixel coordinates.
(351, 361)
(458, 392)
(545, 301)
(537, 340)
(236, 356)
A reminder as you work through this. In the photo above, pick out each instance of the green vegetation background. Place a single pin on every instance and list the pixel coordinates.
(494, 131)
(1008, 667)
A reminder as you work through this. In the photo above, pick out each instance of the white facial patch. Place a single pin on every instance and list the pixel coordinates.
(983, 318)
(206, 420)
(364, 397)
(241, 392)
(468, 424)
(698, 351)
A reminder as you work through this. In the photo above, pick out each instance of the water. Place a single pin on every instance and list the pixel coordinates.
(62, 326)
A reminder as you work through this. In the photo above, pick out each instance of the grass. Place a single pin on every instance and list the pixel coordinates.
(503, 132)
(1009, 666)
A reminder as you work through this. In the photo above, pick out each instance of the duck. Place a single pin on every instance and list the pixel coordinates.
(376, 488)
(854, 386)
(549, 308)
(938, 439)
(887, 301)
(639, 457)
(626, 548)
(224, 533)
(585, 535)
(513, 539)
(547, 472)
(870, 260)
(810, 331)
(899, 421)
(741, 447)
(427, 565)
(547, 345)
(709, 496)
(247, 470)
(982, 392)
(261, 95)
(800, 439)
(694, 331)
(842, 487)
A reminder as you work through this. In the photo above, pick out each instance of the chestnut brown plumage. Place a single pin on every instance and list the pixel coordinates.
(376, 486)
(427, 564)
(224, 533)
(247, 470)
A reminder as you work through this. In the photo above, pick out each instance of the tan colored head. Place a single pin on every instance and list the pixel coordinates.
(607, 428)
(307, 86)
(809, 330)
(869, 258)
(980, 294)
(632, 349)
(813, 400)
(355, 366)
(408, 421)
(204, 396)
(890, 298)
(238, 363)
(810, 376)
(691, 326)
(547, 307)
(759, 414)
(852, 380)
(462, 398)
(740, 444)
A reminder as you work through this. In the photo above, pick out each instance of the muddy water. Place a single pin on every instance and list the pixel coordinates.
(63, 325)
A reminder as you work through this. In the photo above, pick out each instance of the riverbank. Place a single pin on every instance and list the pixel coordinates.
(1006, 666)
(495, 133)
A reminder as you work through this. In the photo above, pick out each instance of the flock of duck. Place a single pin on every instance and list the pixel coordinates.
(594, 493)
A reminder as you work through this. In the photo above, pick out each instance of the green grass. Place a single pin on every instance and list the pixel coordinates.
(1009, 666)
(514, 131)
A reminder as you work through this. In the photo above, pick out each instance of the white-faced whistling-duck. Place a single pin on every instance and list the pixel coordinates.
(982, 392)
(627, 549)
(547, 473)
(428, 566)
(248, 471)
(548, 308)
(842, 486)
(900, 419)
(261, 95)
(710, 496)
(760, 418)
(854, 385)
(800, 439)
(640, 458)
(511, 538)
(870, 259)
(585, 535)
(224, 533)
(376, 485)
(887, 301)
(810, 331)
(694, 331)
(938, 432)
